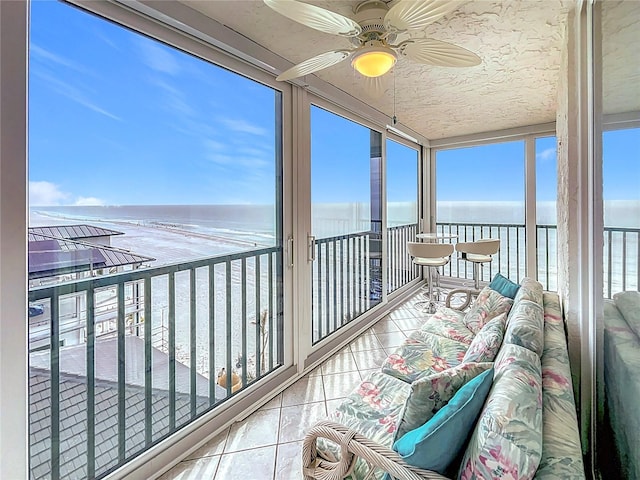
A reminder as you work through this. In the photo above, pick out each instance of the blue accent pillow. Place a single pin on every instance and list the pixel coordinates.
(504, 286)
(437, 443)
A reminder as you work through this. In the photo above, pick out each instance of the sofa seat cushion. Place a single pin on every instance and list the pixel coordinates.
(507, 440)
(430, 393)
(561, 452)
(448, 323)
(526, 326)
(488, 305)
(372, 410)
(486, 344)
(435, 444)
(421, 354)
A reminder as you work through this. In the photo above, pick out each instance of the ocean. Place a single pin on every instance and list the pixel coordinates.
(179, 233)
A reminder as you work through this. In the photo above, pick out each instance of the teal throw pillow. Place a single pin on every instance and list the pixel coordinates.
(437, 443)
(504, 286)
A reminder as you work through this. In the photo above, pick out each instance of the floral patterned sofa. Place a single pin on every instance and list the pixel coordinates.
(477, 395)
(622, 381)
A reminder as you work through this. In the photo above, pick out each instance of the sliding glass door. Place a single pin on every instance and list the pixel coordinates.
(346, 242)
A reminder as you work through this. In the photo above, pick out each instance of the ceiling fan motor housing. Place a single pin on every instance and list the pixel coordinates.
(370, 16)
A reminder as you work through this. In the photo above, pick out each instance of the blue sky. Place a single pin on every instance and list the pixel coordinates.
(117, 118)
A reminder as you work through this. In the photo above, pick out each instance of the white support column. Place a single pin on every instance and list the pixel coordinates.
(530, 214)
(301, 172)
(13, 230)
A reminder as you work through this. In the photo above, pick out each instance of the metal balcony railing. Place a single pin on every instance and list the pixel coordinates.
(400, 268)
(145, 356)
(621, 260)
(510, 259)
(343, 281)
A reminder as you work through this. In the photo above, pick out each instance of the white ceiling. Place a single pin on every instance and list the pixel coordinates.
(520, 43)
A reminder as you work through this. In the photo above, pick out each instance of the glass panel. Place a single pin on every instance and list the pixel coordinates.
(546, 214)
(480, 194)
(155, 240)
(618, 440)
(402, 212)
(346, 192)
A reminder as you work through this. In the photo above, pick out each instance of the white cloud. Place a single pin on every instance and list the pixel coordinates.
(242, 126)
(158, 58)
(88, 202)
(46, 193)
(547, 154)
(46, 56)
(74, 94)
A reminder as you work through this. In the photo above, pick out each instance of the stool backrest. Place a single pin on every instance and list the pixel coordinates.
(486, 246)
(429, 250)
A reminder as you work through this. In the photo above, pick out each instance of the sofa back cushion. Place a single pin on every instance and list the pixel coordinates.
(508, 435)
(432, 392)
(526, 326)
(529, 290)
(486, 343)
(437, 443)
(488, 305)
(629, 305)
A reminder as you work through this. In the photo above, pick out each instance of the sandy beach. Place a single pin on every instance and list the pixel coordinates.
(170, 245)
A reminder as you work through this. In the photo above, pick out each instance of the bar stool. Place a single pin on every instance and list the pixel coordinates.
(432, 256)
(478, 253)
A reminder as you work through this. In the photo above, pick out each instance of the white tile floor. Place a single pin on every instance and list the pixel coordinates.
(267, 445)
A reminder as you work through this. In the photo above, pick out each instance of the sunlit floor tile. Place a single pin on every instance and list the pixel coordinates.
(254, 464)
(339, 363)
(391, 340)
(213, 447)
(305, 390)
(257, 430)
(289, 461)
(340, 384)
(296, 420)
(193, 469)
(365, 342)
(370, 359)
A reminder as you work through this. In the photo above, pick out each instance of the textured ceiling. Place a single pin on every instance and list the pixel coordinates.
(621, 56)
(520, 43)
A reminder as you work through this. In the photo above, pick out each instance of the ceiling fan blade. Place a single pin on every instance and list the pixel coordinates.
(410, 14)
(435, 52)
(316, 17)
(314, 64)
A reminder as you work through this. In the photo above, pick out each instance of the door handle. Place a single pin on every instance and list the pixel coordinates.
(290, 251)
(311, 244)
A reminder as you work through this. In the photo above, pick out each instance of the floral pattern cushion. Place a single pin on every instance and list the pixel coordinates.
(448, 323)
(422, 354)
(488, 305)
(486, 344)
(629, 305)
(561, 452)
(372, 410)
(529, 290)
(622, 388)
(430, 393)
(507, 440)
(526, 326)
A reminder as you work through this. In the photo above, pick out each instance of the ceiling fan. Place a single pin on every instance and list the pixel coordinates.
(373, 31)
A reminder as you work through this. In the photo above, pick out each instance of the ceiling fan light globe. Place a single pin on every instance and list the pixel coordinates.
(374, 62)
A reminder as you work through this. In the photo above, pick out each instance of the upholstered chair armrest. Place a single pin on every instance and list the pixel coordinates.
(352, 446)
